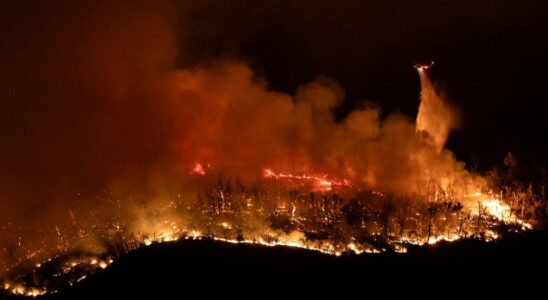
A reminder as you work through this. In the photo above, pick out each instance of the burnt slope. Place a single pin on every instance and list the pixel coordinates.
(173, 270)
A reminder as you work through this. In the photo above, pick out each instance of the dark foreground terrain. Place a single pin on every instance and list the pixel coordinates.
(204, 267)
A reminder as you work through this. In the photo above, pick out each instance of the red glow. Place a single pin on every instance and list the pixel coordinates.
(319, 183)
(422, 67)
(198, 169)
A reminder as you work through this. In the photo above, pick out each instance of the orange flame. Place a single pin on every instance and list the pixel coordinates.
(198, 169)
(319, 183)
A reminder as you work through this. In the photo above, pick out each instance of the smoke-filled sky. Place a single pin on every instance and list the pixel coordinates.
(490, 55)
(101, 96)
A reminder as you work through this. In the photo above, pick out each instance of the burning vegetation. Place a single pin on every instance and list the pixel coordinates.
(211, 152)
(333, 215)
(301, 211)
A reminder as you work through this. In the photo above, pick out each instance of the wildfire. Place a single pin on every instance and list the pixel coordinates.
(198, 169)
(166, 236)
(72, 266)
(319, 183)
(311, 217)
(227, 114)
(496, 208)
(19, 289)
(488, 208)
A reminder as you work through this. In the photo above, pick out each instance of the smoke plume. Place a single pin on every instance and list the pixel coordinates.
(93, 105)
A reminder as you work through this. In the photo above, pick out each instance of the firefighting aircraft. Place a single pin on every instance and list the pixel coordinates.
(423, 67)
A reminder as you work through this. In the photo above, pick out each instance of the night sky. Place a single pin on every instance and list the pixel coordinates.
(490, 55)
(66, 67)
(490, 58)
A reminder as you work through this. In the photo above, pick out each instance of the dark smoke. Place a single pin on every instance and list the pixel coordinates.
(79, 108)
(94, 100)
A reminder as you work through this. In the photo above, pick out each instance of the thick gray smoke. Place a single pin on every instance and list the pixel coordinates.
(92, 104)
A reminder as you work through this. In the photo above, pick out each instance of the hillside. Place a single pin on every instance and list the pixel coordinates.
(167, 270)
